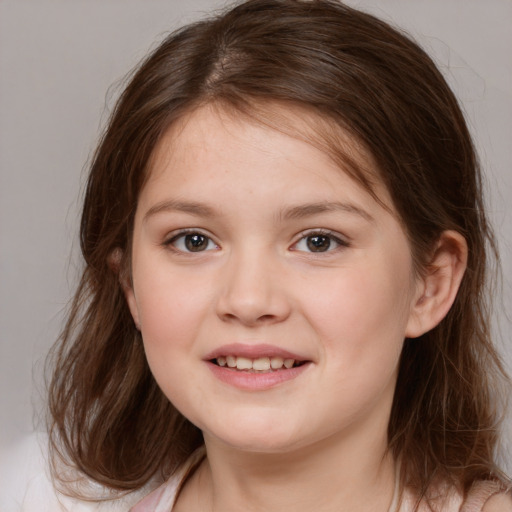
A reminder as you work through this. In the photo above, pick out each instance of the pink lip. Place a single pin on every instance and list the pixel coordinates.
(255, 381)
(252, 352)
(248, 381)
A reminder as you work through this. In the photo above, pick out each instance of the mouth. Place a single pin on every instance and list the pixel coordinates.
(256, 367)
(265, 364)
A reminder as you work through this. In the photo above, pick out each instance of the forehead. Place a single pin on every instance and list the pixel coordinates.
(207, 131)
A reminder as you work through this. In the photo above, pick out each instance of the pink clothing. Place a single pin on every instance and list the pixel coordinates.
(164, 497)
(478, 496)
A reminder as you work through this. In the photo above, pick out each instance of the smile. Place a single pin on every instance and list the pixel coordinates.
(259, 365)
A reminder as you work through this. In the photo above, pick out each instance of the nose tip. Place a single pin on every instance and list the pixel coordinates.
(253, 296)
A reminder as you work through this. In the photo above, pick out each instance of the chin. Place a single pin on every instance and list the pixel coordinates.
(259, 437)
(261, 446)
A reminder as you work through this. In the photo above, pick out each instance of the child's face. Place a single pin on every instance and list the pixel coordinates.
(248, 242)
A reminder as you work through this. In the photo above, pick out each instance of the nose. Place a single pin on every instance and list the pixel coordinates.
(253, 291)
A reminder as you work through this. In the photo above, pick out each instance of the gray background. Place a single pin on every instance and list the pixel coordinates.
(58, 58)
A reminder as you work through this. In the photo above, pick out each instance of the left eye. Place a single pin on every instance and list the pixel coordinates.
(192, 242)
(318, 242)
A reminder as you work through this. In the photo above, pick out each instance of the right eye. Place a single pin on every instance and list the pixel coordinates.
(192, 242)
(320, 241)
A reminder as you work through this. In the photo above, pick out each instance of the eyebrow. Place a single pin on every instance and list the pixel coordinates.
(308, 210)
(293, 212)
(199, 209)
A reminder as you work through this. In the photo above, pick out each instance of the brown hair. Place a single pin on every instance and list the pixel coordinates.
(107, 414)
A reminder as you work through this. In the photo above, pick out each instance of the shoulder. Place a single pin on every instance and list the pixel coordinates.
(164, 497)
(501, 502)
(484, 496)
(488, 496)
(26, 484)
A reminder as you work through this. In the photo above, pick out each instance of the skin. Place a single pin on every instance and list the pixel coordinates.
(317, 441)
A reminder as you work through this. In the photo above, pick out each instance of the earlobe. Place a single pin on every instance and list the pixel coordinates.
(114, 262)
(438, 287)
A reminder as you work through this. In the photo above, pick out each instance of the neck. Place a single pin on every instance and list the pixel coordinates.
(333, 475)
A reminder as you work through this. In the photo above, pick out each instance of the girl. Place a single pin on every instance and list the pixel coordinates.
(283, 304)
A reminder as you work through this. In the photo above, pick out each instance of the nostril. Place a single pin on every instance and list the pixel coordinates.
(265, 318)
(249, 320)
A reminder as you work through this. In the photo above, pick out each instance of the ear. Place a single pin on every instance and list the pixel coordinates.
(438, 287)
(115, 263)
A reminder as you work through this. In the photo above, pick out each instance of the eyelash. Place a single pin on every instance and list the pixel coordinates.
(171, 242)
(324, 233)
(304, 236)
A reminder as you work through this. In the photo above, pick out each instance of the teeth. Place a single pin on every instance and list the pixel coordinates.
(261, 364)
(242, 363)
(276, 362)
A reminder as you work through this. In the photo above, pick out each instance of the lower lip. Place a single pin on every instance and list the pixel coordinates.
(252, 381)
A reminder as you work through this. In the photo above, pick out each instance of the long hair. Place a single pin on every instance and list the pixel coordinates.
(108, 416)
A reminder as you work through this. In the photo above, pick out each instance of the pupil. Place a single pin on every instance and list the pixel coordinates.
(196, 243)
(318, 243)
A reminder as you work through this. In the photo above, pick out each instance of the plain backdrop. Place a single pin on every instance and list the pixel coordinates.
(60, 61)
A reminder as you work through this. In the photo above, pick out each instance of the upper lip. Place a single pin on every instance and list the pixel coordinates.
(253, 352)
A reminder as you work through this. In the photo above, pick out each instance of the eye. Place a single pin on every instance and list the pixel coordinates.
(192, 242)
(319, 242)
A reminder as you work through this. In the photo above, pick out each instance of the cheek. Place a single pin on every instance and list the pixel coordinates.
(169, 326)
(362, 315)
(171, 309)
(360, 301)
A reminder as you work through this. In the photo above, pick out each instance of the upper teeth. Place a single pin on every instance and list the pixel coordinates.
(259, 364)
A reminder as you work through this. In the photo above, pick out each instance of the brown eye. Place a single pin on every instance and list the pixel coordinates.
(318, 243)
(196, 242)
(192, 242)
